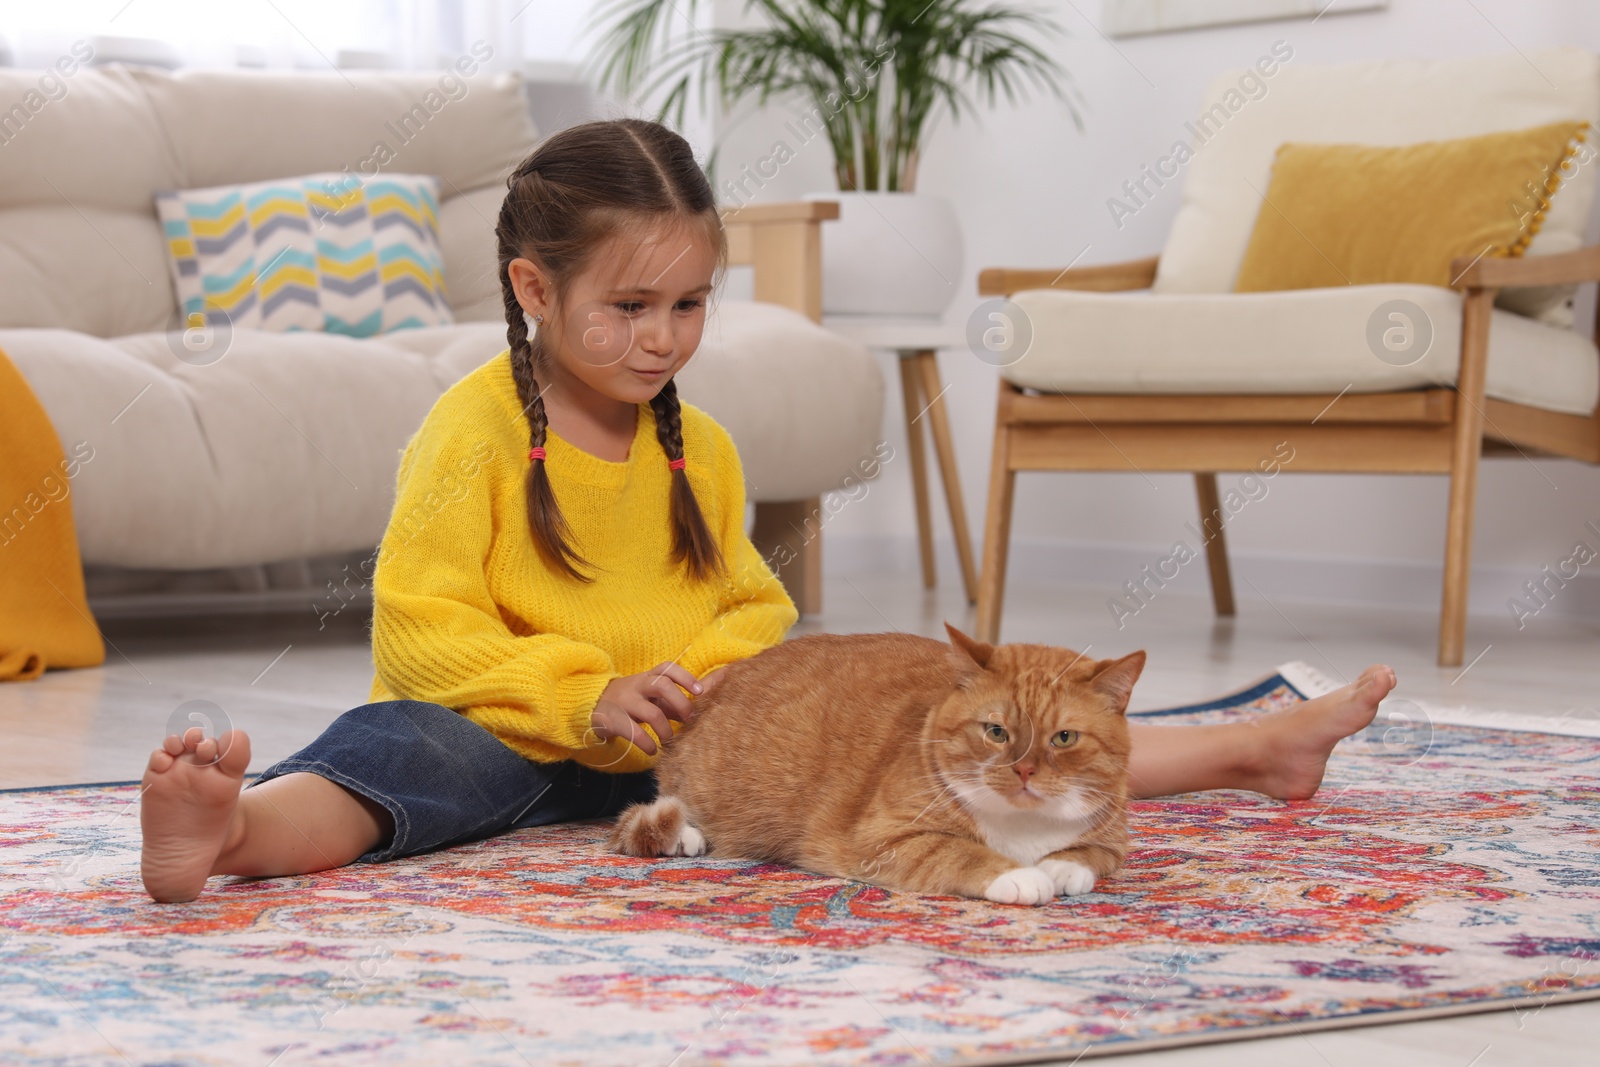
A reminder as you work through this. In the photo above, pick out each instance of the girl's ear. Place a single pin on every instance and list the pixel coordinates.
(529, 285)
(977, 651)
(1115, 678)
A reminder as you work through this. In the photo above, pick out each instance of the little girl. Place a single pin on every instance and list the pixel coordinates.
(566, 566)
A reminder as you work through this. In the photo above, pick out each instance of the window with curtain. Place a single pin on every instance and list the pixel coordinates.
(349, 34)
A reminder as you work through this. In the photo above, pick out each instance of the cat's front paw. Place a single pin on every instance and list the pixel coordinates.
(1071, 878)
(1022, 885)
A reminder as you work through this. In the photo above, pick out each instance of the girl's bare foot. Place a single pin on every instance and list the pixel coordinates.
(190, 791)
(1295, 743)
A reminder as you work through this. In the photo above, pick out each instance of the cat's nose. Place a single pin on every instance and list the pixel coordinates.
(1025, 771)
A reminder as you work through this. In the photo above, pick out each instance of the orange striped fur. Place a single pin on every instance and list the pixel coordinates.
(959, 768)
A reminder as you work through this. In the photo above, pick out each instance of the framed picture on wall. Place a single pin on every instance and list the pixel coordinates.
(1128, 18)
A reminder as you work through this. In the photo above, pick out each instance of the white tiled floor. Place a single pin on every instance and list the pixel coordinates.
(283, 679)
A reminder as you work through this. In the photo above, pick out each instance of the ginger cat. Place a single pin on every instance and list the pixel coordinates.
(961, 768)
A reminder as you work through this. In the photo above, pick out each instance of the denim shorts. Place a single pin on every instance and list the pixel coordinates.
(447, 780)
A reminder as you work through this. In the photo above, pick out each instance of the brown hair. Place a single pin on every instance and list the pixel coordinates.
(580, 188)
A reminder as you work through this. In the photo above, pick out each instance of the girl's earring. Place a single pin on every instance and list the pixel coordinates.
(532, 321)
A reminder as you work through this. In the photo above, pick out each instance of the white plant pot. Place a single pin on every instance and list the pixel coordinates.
(890, 254)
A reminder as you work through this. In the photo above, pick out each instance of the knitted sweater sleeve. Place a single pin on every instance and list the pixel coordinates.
(754, 611)
(437, 635)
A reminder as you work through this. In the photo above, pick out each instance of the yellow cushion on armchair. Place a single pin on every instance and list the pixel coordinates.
(1339, 214)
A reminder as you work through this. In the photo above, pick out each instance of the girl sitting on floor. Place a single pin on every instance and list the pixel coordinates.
(566, 566)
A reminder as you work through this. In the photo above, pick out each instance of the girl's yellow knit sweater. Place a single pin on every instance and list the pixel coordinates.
(467, 614)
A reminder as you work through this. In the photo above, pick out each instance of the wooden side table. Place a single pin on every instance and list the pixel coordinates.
(916, 341)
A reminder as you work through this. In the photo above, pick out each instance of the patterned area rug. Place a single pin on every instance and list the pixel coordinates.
(1442, 868)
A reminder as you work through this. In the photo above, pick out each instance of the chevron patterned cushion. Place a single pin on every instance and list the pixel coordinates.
(321, 252)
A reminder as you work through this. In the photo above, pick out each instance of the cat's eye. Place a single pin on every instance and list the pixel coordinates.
(996, 733)
(1064, 739)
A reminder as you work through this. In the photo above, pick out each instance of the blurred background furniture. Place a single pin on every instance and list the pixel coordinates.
(269, 470)
(916, 341)
(1189, 376)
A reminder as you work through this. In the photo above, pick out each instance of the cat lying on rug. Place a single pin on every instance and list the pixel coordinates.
(961, 768)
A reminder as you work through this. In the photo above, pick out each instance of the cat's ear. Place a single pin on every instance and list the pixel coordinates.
(1115, 679)
(977, 651)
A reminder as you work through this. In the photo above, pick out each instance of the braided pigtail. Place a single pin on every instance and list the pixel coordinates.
(551, 535)
(692, 542)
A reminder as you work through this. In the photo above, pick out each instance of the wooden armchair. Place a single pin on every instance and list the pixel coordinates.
(1196, 377)
(1429, 430)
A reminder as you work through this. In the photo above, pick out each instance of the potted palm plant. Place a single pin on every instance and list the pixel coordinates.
(871, 77)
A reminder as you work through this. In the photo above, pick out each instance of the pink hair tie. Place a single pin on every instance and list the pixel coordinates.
(536, 453)
(677, 464)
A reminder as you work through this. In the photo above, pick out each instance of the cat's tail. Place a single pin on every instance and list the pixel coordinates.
(661, 828)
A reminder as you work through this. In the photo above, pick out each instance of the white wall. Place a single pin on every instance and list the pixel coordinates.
(1031, 191)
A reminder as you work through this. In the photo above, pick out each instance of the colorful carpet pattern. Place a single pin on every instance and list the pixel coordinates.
(1462, 871)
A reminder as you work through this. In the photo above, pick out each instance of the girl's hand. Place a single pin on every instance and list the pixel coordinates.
(650, 698)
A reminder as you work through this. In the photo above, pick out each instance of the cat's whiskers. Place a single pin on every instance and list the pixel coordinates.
(947, 789)
(1094, 802)
(1075, 788)
(1104, 794)
(948, 785)
(944, 795)
(947, 793)
(946, 777)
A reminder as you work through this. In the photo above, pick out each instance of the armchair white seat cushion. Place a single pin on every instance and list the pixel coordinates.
(1301, 341)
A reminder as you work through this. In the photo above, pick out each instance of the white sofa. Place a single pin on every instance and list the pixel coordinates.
(285, 449)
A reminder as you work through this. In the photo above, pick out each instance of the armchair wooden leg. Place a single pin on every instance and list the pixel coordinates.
(788, 534)
(1205, 484)
(939, 422)
(996, 536)
(911, 389)
(1457, 565)
(1465, 451)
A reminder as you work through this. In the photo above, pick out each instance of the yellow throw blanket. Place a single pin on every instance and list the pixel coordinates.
(44, 614)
